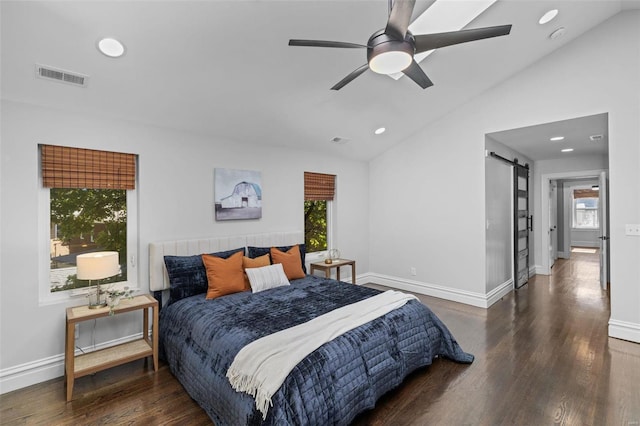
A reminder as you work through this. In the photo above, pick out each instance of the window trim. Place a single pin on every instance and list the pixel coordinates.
(322, 186)
(574, 211)
(317, 256)
(586, 190)
(46, 296)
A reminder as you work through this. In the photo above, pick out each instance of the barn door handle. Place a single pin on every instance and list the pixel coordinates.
(530, 223)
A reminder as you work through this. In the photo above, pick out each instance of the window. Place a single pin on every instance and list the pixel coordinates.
(585, 209)
(89, 199)
(319, 191)
(82, 221)
(315, 225)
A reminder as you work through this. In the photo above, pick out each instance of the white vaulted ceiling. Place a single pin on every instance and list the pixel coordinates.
(224, 69)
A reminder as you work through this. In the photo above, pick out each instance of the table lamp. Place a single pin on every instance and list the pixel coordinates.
(97, 266)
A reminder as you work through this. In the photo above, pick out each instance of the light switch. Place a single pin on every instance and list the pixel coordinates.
(632, 229)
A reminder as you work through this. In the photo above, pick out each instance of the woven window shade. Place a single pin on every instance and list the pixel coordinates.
(65, 167)
(585, 193)
(319, 186)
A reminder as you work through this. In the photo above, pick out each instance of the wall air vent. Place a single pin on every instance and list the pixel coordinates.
(56, 74)
(596, 138)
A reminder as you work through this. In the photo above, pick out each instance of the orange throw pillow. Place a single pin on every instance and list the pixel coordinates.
(257, 262)
(225, 276)
(291, 262)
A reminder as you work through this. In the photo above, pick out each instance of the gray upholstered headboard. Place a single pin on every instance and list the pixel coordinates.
(158, 279)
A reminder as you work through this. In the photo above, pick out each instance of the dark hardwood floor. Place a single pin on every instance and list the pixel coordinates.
(542, 357)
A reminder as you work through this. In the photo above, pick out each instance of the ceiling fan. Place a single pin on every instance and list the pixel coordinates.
(392, 49)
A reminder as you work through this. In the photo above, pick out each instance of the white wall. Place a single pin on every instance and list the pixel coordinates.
(175, 201)
(427, 195)
(584, 237)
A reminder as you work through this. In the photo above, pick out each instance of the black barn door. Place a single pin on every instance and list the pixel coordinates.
(522, 226)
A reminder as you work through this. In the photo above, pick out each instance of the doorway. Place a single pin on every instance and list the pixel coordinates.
(591, 227)
(553, 222)
(569, 148)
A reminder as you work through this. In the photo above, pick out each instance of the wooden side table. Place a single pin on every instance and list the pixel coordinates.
(326, 267)
(91, 362)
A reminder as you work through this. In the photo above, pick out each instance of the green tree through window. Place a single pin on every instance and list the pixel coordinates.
(85, 220)
(315, 225)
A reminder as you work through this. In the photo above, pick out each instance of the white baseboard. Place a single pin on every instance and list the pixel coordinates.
(563, 255)
(624, 330)
(31, 373)
(499, 292)
(594, 244)
(462, 296)
(538, 270)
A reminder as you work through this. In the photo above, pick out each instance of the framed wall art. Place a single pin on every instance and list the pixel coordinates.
(237, 194)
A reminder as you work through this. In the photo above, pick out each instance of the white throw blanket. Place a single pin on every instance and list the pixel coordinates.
(261, 367)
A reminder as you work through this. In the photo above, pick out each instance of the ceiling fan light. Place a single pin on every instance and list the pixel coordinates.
(390, 62)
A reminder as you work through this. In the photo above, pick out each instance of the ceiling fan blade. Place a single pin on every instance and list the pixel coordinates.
(350, 77)
(415, 73)
(323, 43)
(427, 42)
(399, 18)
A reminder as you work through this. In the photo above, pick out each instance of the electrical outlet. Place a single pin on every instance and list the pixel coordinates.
(77, 332)
(632, 229)
(413, 271)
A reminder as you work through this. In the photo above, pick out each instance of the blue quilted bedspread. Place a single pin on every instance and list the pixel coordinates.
(199, 339)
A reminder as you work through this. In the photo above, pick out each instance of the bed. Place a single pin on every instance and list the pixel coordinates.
(199, 339)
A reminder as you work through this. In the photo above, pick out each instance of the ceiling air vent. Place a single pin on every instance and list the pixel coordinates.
(56, 74)
(596, 138)
(339, 141)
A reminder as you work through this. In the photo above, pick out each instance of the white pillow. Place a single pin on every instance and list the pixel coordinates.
(266, 277)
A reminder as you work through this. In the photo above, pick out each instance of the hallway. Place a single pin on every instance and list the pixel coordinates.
(580, 277)
(542, 357)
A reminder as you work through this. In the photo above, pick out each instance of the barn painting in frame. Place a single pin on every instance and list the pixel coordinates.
(237, 194)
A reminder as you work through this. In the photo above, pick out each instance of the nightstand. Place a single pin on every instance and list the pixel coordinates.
(91, 362)
(326, 267)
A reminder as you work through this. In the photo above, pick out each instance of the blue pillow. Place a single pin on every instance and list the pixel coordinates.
(254, 252)
(188, 276)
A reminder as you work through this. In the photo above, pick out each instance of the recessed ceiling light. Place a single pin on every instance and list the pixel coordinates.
(111, 47)
(380, 130)
(567, 150)
(557, 33)
(548, 17)
(557, 138)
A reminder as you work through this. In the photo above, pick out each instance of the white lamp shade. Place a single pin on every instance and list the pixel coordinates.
(98, 265)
